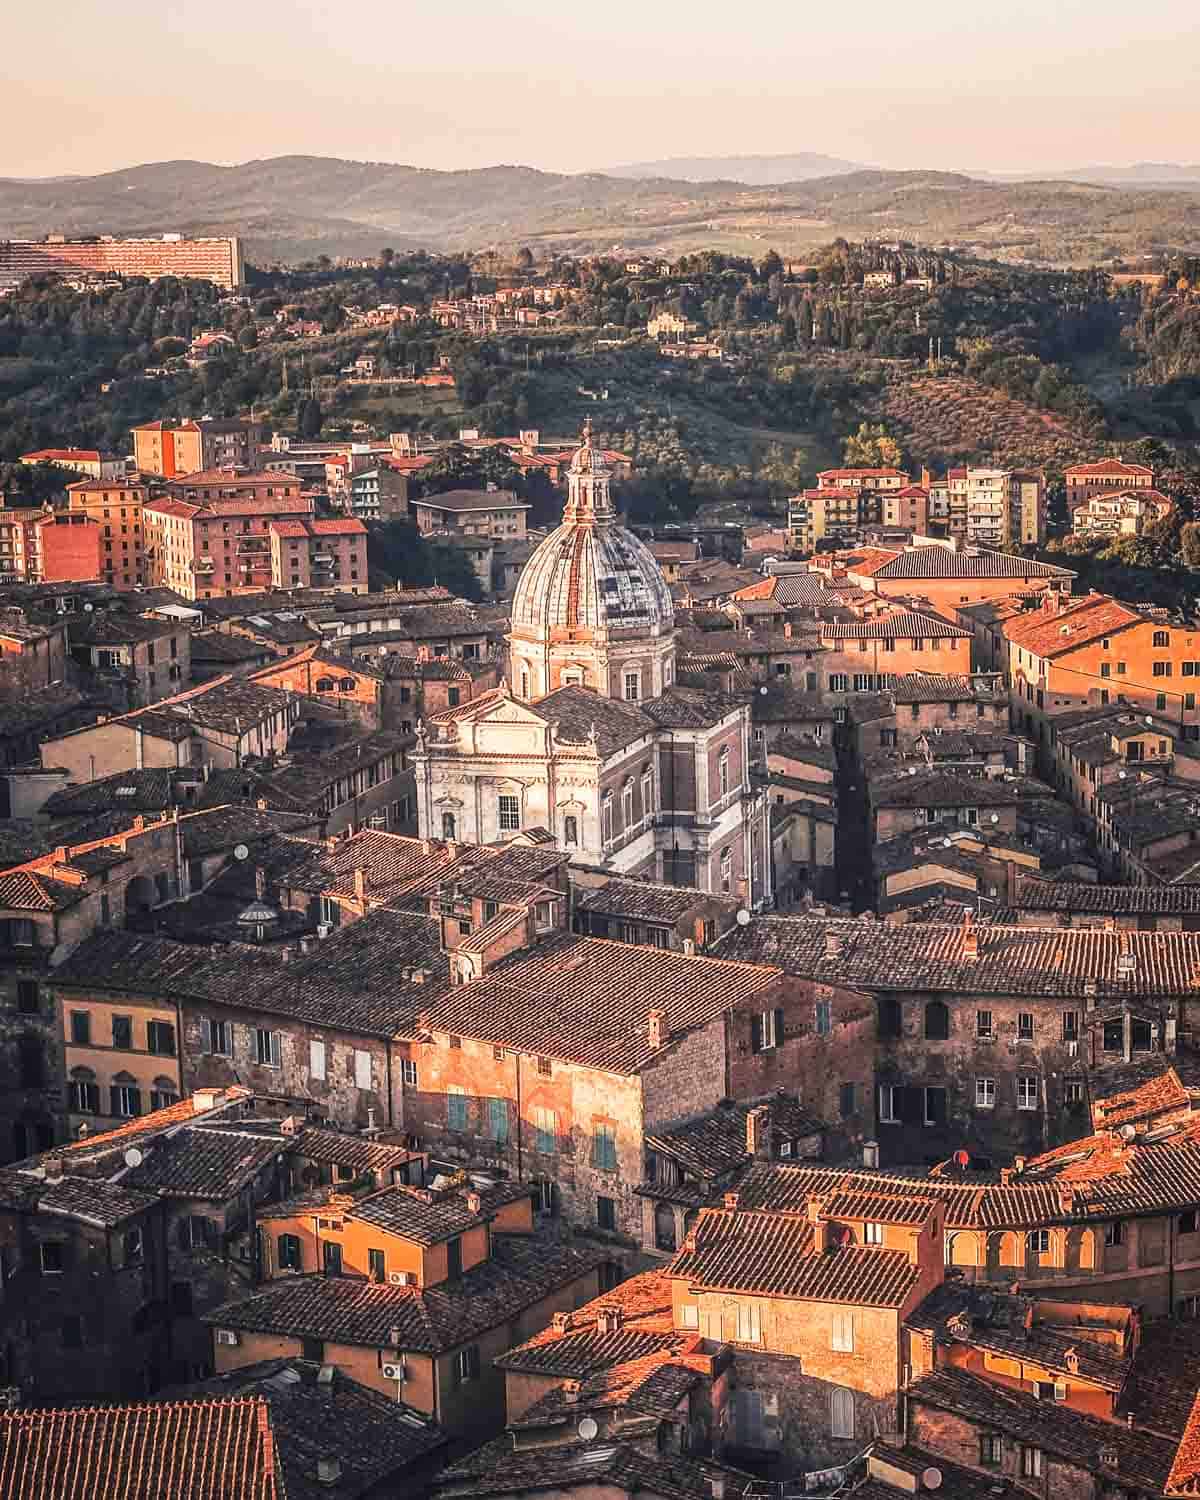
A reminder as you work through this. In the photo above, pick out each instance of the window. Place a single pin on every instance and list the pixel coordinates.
(1106, 669)
(81, 1028)
(1024, 1026)
(163, 1094)
(316, 1060)
(545, 1130)
(723, 773)
(268, 1048)
(891, 1017)
(604, 1146)
(466, 1364)
(841, 1413)
(983, 1025)
(1037, 1242)
(1114, 1036)
(1073, 1091)
(290, 1252)
(362, 1069)
(454, 1043)
(1161, 669)
(126, 1100)
(1160, 702)
(937, 1021)
(497, 1119)
(331, 1257)
(1031, 1462)
(452, 696)
(1188, 1221)
(545, 1067)
(1161, 638)
(606, 1212)
(448, 827)
(1027, 1091)
(935, 1106)
(509, 813)
(627, 806)
(749, 1326)
(839, 682)
(29, 997)
(991, 1450)
(726, 871)
(377, 1265)
(216, 1037)
(122, 1033)
(985, 1093)
(84, 1092)
(823, 1017)
(53, 1257)
(889, 1101)
(570, 830)
(1070, 1025)
(633, 684)
(847, 1099)
(456, 1107)
(160, 1037)
(689, 1315)
(766, 1030)
(841, 1339)
(1114, 1233)
(872, 1234)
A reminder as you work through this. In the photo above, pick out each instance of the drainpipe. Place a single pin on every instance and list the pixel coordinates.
(520, 1153)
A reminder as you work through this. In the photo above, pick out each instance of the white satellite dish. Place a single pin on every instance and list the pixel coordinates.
(1128, 1132)
(240, 851)
(743, 917)
(995, 817)
(931, 1478)
(133, 1157)
(587, 1429)
(89, 607)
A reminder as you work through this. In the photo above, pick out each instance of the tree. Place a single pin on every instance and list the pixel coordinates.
(310, 418)
(788, 331)
(871, 447)
(1189, 544)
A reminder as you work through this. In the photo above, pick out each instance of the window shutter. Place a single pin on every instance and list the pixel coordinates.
(206, 1035)
(276, 1050)
(316, 1060)
(473, 1355)
(183, 1234)
(779, 1026)
(912, 1105)
(756, 1033)
(115, 1093)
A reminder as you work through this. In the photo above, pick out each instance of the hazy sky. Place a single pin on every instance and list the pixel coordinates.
(1007, 84)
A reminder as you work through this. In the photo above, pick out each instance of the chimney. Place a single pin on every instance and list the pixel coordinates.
(758, 1132)
(970, 938)
(474, 1203)
(833, 943)
(1018, 1164)
(291, 1125)
(870, 1154)
(1071, 1360)
(732, 1199)
(360, 886)
(787, 629)
(260, 883)
(1066, 1198)
(609, 1320)
(53, 1168)
(716, 1483)
(394, 1336)
(816, 1207)
(656, 1029)
(561, 1322)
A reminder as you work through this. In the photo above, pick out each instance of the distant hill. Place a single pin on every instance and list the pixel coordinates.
(297, 207)
(757, 171)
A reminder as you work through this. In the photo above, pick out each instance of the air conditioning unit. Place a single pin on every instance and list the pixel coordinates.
(399, 1278)
(394, 1370)
(226, 1336)
(324, 929)
(1072, 1049)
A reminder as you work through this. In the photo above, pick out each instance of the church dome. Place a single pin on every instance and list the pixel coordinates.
(590, 576)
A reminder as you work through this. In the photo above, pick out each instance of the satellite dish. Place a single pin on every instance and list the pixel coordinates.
(1122, 774)
(133, 1157)
(1128, 1132)
(743, 917)
(240, 851)
(763, 691)
(587, 1429)
(931, 1478)
(89, 607)
(1149, 718)
(995, 817)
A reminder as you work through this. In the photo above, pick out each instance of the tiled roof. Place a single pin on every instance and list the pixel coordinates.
(1048, 633)
(903, 623)
(374, 1437)
(499, 1469)
(934, 687)
(1144, 1460)
(90, 1200)
(940, 562)
(716, 1142)
(1060, 962)
(522, 1271)
(860, 473)
(426, 1217)
(586, 1000)
(354, 1151)
(578, 1347)
(29, 890)
(188, 1450)
(200, 1163)
(1117, 900)
(644, 900)
(578, 712)
(773, 1255)
(649, 1387)
(689, 708)
(942, 789)
(1105, 468)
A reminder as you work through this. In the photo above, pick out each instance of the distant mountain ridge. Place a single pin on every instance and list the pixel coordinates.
(756, 171)
(294, 208)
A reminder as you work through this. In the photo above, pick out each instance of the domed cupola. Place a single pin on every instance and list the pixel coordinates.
(591, 606)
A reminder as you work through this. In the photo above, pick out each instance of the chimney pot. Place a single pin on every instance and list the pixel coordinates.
(656, 1029)
(758, 1132)
(833, 943)
(360, 885)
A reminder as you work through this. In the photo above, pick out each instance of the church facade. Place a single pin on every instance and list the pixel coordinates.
(591, 738)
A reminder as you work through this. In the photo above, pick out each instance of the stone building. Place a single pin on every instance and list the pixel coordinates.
(596, 742)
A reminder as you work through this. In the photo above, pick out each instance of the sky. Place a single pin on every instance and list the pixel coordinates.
(1006, 85)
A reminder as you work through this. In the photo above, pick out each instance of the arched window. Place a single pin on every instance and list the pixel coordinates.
(647, 793)
(890, 1017)
(606, 817)
(85, 1092)
(841, 1412)
(723, 773)
(448, 826)
(324, 684)
(570, 829)
(937, 1021)
(163, 1093)
(664, 1227)
(727, 871)
(346, 685)
(627, 806)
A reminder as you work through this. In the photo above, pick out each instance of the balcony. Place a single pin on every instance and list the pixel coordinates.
(203, 565)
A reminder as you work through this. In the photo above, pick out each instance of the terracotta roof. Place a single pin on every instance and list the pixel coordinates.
(716, 1142)
(942, 789)
(357, 1152)
(573, 1345)
(195, 1162)
(1143, 1460)
(522, 1271)
(940, 562)
(1104, 468)
(773, 1255)
(645, 900)
(935, 687)
(1046, 633)
(900, 624)
(27, 890)
(426, 1217)
(1117, 900)
(499, 1469)
(586, 1000)
(189, 1450)
(853, 473)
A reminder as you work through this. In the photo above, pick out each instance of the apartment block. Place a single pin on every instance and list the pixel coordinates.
(319, 554)
(168, 449)
(213, 539)
(116, 508)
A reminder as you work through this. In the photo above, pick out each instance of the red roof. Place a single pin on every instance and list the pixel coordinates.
(1051, 633)
(289, 528)
(85, 455)
(347, 526)
(1105, 468)
(862, 474)
(191, 1450)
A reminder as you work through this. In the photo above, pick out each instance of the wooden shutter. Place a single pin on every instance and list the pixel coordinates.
(779, 1026)
(756, 1032)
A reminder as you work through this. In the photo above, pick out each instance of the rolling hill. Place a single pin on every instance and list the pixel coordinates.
(296, 207)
